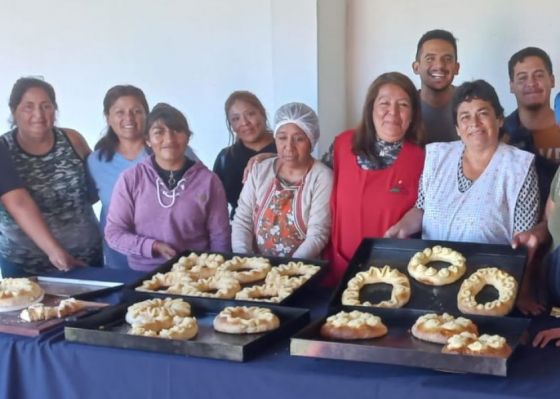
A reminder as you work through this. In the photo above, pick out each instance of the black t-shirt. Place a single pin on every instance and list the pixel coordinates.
(229, 166)
(9, 179)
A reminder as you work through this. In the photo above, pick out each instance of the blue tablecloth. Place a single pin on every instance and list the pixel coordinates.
(49, 367)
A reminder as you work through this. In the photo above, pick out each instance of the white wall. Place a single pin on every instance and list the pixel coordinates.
(383, 35)
(193, 53)
(331, 39)
(190, 53)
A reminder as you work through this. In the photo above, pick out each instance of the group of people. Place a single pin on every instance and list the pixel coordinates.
(483, 177)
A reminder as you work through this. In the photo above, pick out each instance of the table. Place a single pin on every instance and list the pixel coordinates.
(49, 367)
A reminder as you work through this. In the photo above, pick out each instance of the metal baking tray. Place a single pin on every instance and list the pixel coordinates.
(77, 288)
(397, 253)
(274, 261)
(109, 328)
(399, 347)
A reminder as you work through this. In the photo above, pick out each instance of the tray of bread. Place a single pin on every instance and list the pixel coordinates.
(443, 276)
(416, 338)
(232, 276)
(390, 285)
(201, 327)
(30, 306)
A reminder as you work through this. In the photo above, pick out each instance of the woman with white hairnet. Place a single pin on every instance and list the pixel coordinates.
(283, 209)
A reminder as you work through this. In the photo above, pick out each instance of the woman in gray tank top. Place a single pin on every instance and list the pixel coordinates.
(50, 161)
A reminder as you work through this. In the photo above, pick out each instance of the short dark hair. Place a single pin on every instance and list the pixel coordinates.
(529, 52)
(23, 84)
(477, 89)
(170, 117)
(365, 134)
(249, 98)
(436, 34)
(107, 145)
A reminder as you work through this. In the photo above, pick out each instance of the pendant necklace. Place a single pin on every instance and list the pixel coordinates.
(171, 180)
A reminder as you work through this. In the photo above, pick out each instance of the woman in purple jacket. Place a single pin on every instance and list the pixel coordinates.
(167, 203)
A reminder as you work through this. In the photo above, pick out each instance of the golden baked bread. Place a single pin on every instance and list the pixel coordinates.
(38, 311)
(499, 279)
(162, 318)
(353, 325)
(204, 259)
(245, 320)
(485, 345)
(400, 293)
(199, 266)
(265, 293)
(438, 328)
(419, 269)
(165, 280)
(157, 313)
(19, 292)
(292, 275)
(246, 270)
(220, 286)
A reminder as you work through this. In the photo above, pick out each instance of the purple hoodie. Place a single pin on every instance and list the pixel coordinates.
(142, 210)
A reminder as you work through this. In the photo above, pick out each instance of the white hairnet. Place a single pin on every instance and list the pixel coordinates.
(302, 116)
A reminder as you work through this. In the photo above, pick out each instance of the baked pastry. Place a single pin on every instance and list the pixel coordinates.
(220, 286)
(499, 279)
(199, 266)
(163, 318)
(438, 328)
(353, 325)
(485, 345)
(157, 313)
(245, 320)
(419, 269)
(265, 293)
(292, 275)
(246, 270)
(19, 292)
(165, 280)
(400, 293)
(204, 259)
(38, 311)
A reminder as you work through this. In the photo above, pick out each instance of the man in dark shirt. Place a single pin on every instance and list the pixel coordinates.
(532, 126)
(436, 64)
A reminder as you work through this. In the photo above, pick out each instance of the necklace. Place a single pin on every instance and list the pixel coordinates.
(171, 180)
(165, 197)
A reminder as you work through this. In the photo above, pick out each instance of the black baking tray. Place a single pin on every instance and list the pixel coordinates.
(397, 253)
(291, 299)
(399, 347)
(109, 328)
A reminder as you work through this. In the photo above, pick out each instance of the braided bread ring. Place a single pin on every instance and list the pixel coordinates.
(400, 294)
(245, 320)
(499, 279)
(246, 270)
(418, 266)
